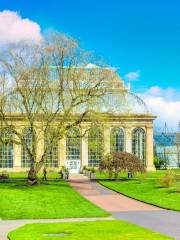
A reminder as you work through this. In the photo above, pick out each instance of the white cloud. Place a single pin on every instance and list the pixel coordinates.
(132, 76)
(91, 65)
(167, 93)
(165, 104)
(13, 28)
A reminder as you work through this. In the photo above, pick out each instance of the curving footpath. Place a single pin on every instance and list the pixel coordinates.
(124, 208)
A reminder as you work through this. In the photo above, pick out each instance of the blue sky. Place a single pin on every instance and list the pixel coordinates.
(140, 37)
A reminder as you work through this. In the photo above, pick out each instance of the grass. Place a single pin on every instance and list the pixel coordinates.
(156, 174)
(23, 175)
(55, 175)
(53, 199)
(148, 190)
(99, 230)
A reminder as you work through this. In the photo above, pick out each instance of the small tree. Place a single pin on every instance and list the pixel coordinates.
(158, 162)
(121, 162)
(107, 165)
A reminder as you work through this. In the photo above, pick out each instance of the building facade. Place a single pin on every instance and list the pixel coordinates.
(167, 148)
(129, 128)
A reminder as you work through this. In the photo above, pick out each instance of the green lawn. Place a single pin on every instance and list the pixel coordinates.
(147, 190)
(99, 230)
(18, 175)
(155, 174)
(53, 199)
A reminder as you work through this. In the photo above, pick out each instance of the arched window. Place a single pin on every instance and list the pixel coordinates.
(73, 144)
(139, 143)
(6, 149)
(117, 140)
(51, 159)
(95, 147)
(25, 158)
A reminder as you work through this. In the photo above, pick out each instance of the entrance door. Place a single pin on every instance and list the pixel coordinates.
(73, 166)
(73, 150)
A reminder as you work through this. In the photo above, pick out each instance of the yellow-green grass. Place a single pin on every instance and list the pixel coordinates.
(23, 175)
(156, 174)
(98, 230)
(55, 175)
(52, 199)
(148, 190)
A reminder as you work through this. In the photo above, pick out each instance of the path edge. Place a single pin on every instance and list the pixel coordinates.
(152, 204)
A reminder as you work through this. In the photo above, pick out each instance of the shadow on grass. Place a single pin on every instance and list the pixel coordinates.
(22, 185)
(172, 191)
(159, 187)
(114, 180)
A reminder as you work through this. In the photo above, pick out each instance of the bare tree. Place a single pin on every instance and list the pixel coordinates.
(50, 88)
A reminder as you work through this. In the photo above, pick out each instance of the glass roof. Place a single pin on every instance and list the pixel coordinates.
(118, 100)
(125, 102)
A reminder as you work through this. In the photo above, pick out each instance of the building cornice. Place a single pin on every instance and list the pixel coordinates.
(103, 116)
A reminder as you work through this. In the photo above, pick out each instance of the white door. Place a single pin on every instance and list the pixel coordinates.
(73, 166)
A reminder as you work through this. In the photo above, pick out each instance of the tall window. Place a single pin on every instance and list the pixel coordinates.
(117, 140)
(52, 154)
(25, 158)
(6, 149)
(139, 143)
(95, 147)
(73, 144)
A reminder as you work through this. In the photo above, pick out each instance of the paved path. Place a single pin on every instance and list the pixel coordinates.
(124, 208)
(7, 226)
(108, 199)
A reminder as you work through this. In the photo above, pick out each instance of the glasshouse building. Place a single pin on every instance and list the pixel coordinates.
(129, 128)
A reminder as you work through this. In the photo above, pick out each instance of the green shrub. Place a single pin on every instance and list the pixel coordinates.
(4, 175)
(158, 162)
(93, 170)
(177, 177)
(84, 167)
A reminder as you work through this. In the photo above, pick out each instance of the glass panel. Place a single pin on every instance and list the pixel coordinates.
(6, 149)
(25, 158)
(95, 147)
(117, 140)
(139, 143)
(73, 144)
(51, 159)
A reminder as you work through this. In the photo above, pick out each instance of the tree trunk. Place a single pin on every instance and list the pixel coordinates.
(110, 174)
(34, 170)
(32, 176)
(116, 175)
